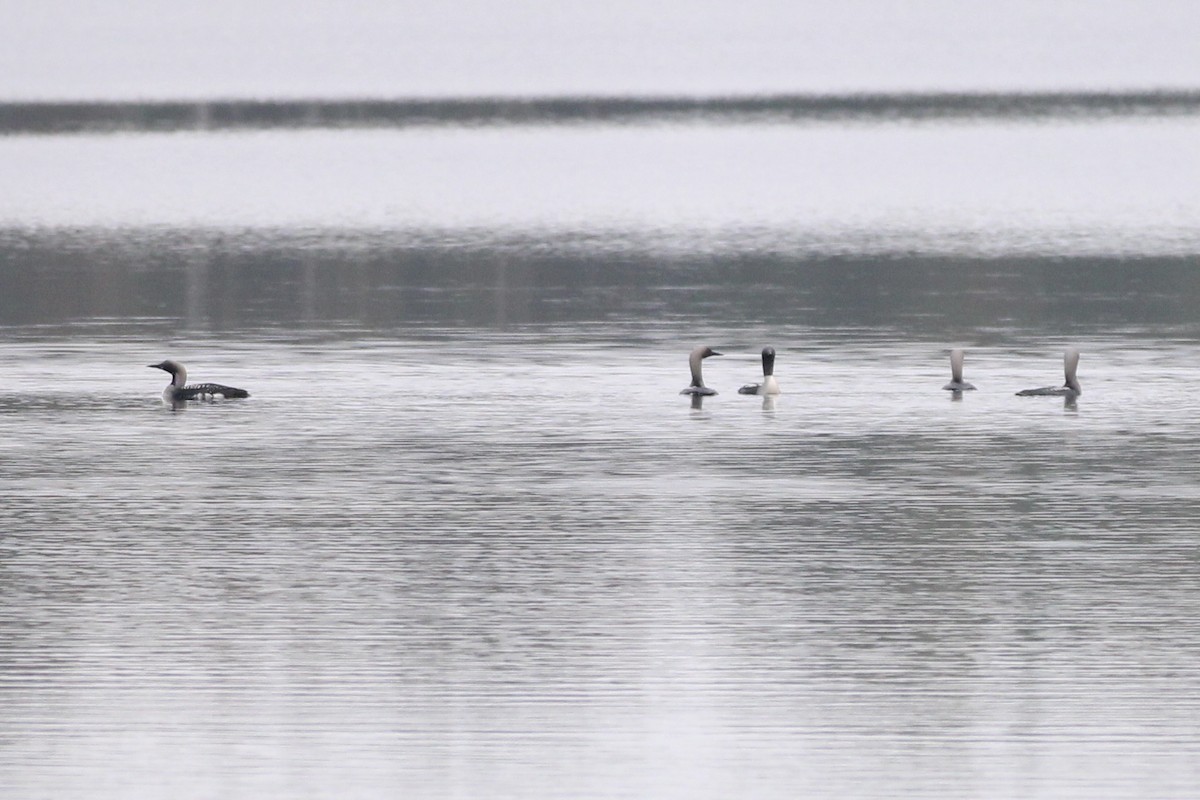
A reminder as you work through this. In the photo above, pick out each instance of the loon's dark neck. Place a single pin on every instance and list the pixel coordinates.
(768, 359)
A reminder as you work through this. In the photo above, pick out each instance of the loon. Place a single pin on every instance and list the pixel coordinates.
(177, 389)
(1070, 388)
(697, 386)
(957, 384)
(769, 386)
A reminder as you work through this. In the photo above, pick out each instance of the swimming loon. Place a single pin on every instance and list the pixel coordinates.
(957, 384)
(1070, 388)
(698, 355)
(769, 384)
(178, 390)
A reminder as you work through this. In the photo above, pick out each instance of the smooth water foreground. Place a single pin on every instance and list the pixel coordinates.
(466, 539)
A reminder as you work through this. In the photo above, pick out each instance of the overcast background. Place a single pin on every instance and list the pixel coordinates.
(158, 49)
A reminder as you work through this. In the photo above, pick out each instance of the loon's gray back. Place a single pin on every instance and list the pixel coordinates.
(200, 391)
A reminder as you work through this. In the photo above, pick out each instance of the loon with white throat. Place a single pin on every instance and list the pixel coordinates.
(957, 384)
(769, 385)
(697, 356)
(178, 390)
(1070, 388)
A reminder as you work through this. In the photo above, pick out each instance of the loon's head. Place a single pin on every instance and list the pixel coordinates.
(178, 373)
(768, 357)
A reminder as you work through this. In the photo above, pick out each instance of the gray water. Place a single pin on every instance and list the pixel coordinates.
(465, 538)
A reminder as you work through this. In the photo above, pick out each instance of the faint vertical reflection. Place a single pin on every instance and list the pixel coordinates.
(500, 292)
(308, 288)
(203, 116)
(195, 303)
(511, 296)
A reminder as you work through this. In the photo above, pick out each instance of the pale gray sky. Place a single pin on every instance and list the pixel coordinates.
(129, 49)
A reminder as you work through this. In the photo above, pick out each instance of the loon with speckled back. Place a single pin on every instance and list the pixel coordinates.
(178, 390)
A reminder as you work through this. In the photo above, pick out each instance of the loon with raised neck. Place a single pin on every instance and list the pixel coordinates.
(769, 386)
(178, 390)
(697, 356)
(957, 384)
(1070, 387)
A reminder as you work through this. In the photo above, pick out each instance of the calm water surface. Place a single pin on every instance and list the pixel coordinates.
(466, 540)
